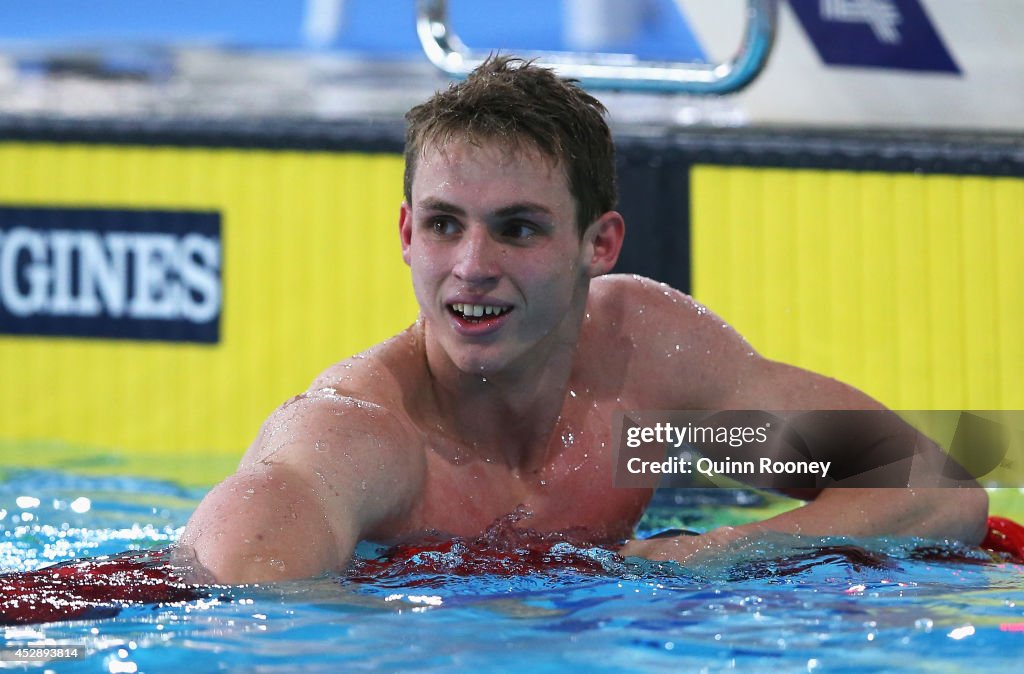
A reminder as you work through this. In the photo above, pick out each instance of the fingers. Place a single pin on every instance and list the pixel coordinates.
(684, 548)
(677, 548)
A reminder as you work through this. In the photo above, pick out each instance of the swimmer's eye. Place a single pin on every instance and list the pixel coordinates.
(520, 230)
(443, 226)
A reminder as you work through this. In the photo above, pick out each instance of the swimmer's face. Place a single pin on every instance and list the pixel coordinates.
(499, 269)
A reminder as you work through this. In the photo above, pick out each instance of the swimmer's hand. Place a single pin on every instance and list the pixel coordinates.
(723, 542)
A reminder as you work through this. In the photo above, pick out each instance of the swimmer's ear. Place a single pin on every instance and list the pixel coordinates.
(405, 230)
(603, 242)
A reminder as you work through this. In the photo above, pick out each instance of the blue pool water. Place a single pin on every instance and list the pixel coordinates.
(854, 607)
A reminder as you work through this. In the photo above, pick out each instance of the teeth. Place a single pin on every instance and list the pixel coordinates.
(478, 310)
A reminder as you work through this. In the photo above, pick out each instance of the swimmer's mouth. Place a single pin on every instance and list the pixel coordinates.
(477, 312)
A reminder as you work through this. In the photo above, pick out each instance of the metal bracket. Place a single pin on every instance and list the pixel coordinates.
(614, 71)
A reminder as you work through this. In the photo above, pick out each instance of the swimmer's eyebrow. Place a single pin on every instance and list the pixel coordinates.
(431, 204)
(520, 209)
(442, 206)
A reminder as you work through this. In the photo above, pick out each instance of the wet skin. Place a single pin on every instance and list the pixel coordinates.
(461, 418)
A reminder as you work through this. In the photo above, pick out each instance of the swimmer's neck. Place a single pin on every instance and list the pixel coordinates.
(508, 416)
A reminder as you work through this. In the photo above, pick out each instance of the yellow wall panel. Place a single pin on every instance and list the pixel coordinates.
(311, 274)
(907, 286)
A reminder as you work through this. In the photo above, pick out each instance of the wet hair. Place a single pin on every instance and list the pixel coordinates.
(527, 107)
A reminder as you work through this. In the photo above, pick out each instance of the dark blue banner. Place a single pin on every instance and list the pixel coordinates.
(895, 34)
(108, 273)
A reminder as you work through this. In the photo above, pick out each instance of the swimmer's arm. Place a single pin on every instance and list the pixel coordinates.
(713, 367)
(862, 513)
(265, 524)
(940, 514)
(954, 513)
(321, 476)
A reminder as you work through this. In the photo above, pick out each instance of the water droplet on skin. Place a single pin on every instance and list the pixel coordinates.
(362, 485)
(543, 483)
(572, 393)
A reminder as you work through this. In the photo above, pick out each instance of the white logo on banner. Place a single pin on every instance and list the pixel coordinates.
(881, 15)
(84, 273)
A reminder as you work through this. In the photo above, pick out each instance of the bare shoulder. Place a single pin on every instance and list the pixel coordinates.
(381, 372)
(640, 299)
(684, 356)
(329, 467)
(350, 429)
(681, 354)
(323, 426)
(355, 402)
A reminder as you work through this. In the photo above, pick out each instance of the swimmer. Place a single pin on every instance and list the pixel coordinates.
(502, 393)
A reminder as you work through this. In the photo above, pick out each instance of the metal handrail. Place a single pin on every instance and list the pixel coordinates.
(614, 71)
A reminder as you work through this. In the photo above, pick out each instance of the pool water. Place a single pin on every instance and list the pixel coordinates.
(851, 606)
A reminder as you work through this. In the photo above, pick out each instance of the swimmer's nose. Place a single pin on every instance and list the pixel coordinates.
(477, 256)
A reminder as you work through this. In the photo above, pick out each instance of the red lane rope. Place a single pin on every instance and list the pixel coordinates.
(1005, 536)
(459, 557)
(92, 588)
(503, 550)
(101, 587)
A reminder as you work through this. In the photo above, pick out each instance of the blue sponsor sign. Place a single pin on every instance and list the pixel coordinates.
(125, 274)
(895, 34)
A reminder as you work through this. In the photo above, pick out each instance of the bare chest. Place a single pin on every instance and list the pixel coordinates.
(463, 493)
